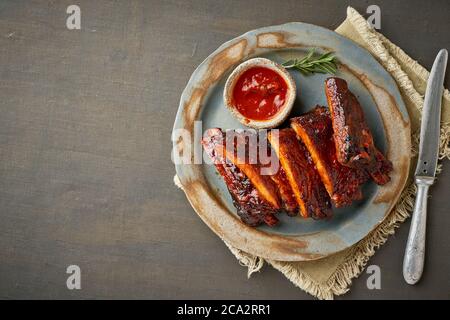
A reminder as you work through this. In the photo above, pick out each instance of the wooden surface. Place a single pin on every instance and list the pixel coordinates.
(85, 173)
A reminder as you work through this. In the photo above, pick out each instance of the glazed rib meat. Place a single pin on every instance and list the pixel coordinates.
(247, 161)
(303, 178)
(251, 207)
(285, 192)
(272, 185)
(315, 131)
(352, 137)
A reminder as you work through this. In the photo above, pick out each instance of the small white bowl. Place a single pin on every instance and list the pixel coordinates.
(284, 111)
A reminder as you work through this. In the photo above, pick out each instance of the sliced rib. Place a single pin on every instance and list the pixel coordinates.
(303, 178)
(251, 207)
(285, 192)
(353, 139)
(342, 183)
(248, 162)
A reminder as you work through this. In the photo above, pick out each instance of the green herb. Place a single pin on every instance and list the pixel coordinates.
(309, 64)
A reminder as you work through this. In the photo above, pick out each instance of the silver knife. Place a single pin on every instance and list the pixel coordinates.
(426, 168)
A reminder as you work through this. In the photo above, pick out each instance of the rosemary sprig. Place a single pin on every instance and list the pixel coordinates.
(309, 64)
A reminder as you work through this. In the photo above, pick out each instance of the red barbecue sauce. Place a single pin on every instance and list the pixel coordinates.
(259, 93)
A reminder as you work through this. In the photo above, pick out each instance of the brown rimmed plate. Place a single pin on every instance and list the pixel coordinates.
(293, 239)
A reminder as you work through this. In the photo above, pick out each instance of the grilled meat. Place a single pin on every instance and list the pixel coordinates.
(315, 131)
(325, 157)
(303, 178)
(246, 159)
(285, 192)
(352, 137)
(251, 207)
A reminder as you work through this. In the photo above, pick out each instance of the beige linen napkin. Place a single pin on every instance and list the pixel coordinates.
(333, 275)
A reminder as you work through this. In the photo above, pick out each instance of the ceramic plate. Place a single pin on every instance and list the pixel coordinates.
(293, 239)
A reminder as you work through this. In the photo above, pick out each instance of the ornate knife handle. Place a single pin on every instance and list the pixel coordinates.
(415, 248)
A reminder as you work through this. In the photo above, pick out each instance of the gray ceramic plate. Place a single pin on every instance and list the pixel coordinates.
(293, 239)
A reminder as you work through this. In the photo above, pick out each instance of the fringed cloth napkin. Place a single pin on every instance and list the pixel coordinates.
(333, 275)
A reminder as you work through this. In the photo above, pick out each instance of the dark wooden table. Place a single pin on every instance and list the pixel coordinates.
(85, 169)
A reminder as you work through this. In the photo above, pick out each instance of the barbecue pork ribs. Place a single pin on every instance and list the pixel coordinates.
(303, 178)
(252, 207)
(324, 157)
(315, 131)
(285, 191)
(353, 140)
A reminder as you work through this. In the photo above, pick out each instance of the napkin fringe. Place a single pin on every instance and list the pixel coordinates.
(253, 263)
(444, 145)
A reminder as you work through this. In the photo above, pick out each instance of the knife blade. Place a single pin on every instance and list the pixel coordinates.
(431, 117)
(426, 169)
